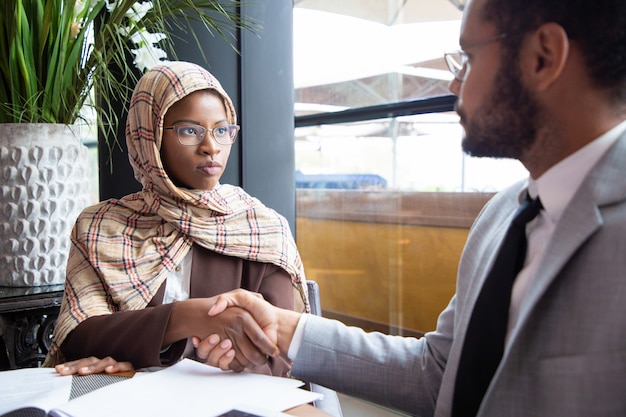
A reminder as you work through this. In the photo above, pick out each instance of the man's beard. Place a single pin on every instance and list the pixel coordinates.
(506, 124)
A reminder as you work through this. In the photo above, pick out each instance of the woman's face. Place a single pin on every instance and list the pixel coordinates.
(195, 166)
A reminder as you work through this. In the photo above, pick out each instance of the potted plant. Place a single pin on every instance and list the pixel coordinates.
(65, 60)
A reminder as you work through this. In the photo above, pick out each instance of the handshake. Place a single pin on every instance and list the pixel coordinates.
(233, 331)
(257, 330)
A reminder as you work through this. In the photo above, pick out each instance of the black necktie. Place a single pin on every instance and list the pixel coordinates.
(484, 341)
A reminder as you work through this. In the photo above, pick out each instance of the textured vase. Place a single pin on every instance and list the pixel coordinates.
(44, 185)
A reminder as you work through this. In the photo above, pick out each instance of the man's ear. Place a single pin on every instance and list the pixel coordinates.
(546, 53)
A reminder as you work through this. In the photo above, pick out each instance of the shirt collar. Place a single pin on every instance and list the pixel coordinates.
(557, 186)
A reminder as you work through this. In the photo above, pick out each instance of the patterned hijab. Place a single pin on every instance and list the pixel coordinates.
(122, 250)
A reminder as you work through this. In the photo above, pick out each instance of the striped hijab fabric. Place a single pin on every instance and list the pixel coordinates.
(122, 250)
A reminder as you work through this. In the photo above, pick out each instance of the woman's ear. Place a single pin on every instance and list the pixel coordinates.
(546, 53)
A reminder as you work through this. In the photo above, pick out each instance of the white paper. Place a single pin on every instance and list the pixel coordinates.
(33, 387)
(190, 388)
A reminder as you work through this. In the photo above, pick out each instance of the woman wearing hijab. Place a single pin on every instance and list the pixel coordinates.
(141, 268)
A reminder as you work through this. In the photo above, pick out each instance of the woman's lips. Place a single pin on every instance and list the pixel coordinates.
(211, 168)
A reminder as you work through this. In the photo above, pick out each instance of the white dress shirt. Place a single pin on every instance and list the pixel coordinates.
(177, 286)
(178, 281)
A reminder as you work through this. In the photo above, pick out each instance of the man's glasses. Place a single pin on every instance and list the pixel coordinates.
(192, 134)
(457, 60)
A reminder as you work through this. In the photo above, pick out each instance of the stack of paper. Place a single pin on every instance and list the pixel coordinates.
(190, 388)
(33, 387)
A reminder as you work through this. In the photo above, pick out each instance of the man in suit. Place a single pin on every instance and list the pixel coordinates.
(544, 82)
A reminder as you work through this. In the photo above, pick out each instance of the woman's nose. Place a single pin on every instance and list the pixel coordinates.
(209, 145)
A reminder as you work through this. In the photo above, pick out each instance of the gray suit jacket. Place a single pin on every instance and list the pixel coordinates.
(567, 354)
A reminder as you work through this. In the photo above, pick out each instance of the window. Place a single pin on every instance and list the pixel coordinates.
(385, 196)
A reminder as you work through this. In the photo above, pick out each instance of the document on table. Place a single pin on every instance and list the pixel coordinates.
(33, 387)
(190, 388)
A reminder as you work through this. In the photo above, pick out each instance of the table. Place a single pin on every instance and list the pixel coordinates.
(307, 410)
(27, 318)
(81, 385)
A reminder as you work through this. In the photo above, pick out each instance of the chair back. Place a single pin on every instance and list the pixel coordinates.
(330, 402)
(314, 297)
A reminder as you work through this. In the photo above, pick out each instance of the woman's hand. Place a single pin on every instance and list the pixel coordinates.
(93, 365)
(233, 326)
(190, 318)
(278, 324)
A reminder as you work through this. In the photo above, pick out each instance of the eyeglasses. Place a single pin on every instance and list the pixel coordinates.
(192, 134)
(457, 60)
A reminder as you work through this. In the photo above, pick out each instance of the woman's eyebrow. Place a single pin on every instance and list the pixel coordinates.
(186, 121)
(195, 122)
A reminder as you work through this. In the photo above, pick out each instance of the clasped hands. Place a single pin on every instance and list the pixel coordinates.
(245, 330)
(251, 336)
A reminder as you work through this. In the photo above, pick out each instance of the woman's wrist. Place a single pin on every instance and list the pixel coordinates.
(185, 314)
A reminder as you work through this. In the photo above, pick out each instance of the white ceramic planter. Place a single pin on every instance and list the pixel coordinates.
(44, 185)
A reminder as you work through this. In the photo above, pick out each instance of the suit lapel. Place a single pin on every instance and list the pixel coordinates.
(581, 219)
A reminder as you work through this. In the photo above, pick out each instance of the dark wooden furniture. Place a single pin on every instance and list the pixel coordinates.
(27, 318)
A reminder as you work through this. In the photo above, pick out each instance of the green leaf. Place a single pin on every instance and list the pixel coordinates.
(52, 70)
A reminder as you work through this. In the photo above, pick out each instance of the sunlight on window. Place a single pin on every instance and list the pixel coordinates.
(357, 61)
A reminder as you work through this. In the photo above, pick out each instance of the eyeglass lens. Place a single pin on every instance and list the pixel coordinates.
(192, 135)
(456, 64)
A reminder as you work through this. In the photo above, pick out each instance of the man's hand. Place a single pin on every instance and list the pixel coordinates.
(189, 318)
(215, 350)
(93, 365)
(277, 323)
(240, 329)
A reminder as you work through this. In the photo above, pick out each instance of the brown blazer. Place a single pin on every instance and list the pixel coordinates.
(137, 336)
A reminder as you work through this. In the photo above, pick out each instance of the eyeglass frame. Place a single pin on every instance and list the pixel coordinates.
(459, 70)
(201, 131)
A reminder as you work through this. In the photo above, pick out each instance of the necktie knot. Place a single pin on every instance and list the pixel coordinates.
(527, 211)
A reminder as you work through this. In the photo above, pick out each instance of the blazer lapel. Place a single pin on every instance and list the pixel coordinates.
(582, 218)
